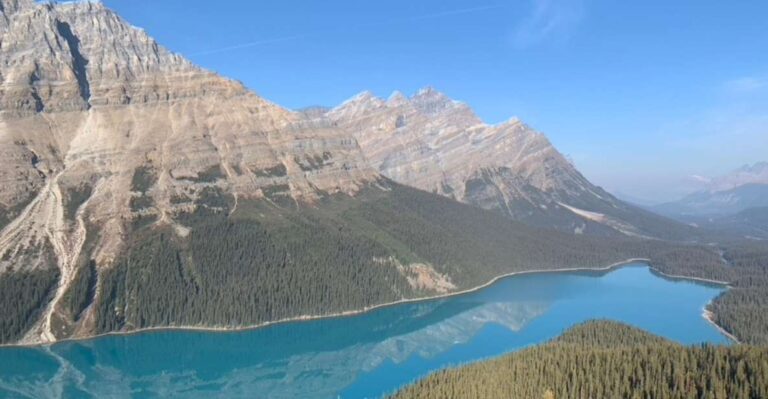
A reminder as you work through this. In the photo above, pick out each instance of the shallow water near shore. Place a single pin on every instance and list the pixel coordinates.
(359, 356)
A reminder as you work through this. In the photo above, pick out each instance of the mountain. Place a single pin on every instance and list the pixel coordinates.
(739, 190)
(102, 130)
(436, 144)
(756, 173)
(94, 109)
(139, 191)
(715, 204)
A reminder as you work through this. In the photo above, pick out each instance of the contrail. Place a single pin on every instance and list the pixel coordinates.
(246, 45)
(454, 12)
(390, 22)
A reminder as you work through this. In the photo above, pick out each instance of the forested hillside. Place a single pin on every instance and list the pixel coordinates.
(743, 310)
(272, 259)
(269, 260)
(752, 223)
(266, 262)
(606, 360)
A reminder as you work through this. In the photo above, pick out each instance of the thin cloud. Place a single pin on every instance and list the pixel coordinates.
(442, 14)
(454, 12)
(746, 85)
(247, 45)
(549, 19)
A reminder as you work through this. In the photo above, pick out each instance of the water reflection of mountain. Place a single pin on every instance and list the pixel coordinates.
(361, 355)
(312, 359)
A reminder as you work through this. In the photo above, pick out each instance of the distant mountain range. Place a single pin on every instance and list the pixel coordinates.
(756, 173)
(139, 190)
(717, 203)
(742, 189)
(734, 204)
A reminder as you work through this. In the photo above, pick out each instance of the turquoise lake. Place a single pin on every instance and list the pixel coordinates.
(362, 356)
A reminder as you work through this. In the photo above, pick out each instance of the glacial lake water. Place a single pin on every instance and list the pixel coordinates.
(361, 356)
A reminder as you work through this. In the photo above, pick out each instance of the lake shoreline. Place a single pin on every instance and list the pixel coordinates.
(694, 279)
(709, 316)
(306, 318)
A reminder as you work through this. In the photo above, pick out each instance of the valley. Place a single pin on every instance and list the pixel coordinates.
(149, 205)
(170, 203)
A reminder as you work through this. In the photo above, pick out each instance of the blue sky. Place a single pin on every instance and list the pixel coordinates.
(639, 94)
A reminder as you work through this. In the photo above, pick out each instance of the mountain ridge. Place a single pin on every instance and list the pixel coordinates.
(143, 191)
(437, 144)
(716, 204)
(756, 173)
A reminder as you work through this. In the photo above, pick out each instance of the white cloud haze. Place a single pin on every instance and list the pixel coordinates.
(549, 19)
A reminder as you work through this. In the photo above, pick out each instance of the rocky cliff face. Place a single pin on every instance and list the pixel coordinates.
(102, 128)
(439, 145)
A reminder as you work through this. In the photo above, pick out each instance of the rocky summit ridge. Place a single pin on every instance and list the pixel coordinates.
(437, 144)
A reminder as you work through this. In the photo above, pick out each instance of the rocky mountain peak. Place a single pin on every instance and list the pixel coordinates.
(360, 104)
(431, 101)
(397, 99)
(437, 144)
(514, 121)
(756, 173)
(72, 56)
(428, 91)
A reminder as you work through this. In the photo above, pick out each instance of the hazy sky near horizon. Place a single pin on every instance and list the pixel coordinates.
(640, 95)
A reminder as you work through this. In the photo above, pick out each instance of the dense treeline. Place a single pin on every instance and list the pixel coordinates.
(264, 263)
(743, 310)
(81, 291)
(23, 296)
(246, 272)
(689, 261)
(752, 222)
(261, 262)
(475, 245)
(606, 360)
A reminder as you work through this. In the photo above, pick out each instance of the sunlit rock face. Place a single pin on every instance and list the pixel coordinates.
(100, 126)
(439, 145)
